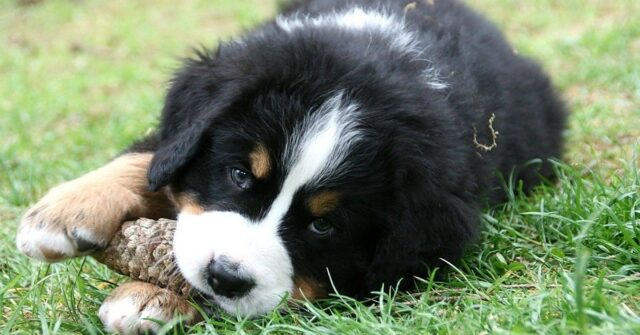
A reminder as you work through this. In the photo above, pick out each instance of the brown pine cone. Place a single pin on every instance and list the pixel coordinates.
(142, 250)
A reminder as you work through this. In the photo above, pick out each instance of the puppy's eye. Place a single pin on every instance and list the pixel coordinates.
(241, 178)
(321, 227)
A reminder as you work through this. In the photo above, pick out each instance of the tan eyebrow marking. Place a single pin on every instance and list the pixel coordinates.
(323, 202)
(260, 161)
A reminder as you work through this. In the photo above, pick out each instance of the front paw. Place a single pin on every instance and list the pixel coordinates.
(74, 219)
(138, 307)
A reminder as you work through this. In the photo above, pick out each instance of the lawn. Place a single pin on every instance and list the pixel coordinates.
(82, 79)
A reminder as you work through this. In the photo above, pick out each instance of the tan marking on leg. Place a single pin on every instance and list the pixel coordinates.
(88, 211)
(149, 301)
(306, 288)
(52, 255)
(323, 203)
(260, 161)
(146, 294)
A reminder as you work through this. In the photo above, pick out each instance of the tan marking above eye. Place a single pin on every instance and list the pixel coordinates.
(323, 202)
(260, 161)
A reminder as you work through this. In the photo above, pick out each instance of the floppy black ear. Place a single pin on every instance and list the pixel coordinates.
(421, 232)
(172, 154)
(199, 92)
(190, 105)
(184, 125)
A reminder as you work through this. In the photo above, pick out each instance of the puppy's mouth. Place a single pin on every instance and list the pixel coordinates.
(223, 301)
(236, 293)
(251, 304)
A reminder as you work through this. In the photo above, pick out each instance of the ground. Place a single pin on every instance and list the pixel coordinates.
(82, 79)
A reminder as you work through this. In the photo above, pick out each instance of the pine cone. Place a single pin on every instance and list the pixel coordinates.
(142, 250)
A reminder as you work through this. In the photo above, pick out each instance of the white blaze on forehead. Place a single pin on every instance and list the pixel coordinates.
(384, 24)
(315, 151)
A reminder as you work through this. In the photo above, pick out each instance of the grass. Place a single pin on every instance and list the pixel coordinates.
(82, 79)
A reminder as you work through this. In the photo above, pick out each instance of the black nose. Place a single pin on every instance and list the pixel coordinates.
(225, 280)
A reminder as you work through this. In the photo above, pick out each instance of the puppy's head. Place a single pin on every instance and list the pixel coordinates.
(295, 182)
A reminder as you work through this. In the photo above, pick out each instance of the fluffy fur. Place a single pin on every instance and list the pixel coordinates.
(419, 84)
(346, 144)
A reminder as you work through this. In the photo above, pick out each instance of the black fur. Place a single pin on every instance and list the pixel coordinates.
(419, 179)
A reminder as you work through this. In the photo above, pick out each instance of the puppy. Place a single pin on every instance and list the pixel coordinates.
(347, 144)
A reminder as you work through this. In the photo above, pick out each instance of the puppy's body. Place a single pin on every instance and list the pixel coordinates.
(347, 143)
(471, 73)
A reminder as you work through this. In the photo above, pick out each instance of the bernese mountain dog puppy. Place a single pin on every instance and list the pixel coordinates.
(346, 144)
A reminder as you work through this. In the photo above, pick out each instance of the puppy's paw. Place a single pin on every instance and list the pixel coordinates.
(82, 215)
(138, 307)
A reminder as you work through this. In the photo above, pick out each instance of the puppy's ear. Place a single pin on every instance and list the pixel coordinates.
(173, 153)
(189, 108)
(197, 96)
(420, 233)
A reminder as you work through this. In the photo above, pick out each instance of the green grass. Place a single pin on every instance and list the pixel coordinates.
(82, 79)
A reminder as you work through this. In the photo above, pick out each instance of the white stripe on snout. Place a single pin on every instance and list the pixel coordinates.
(315, 151)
